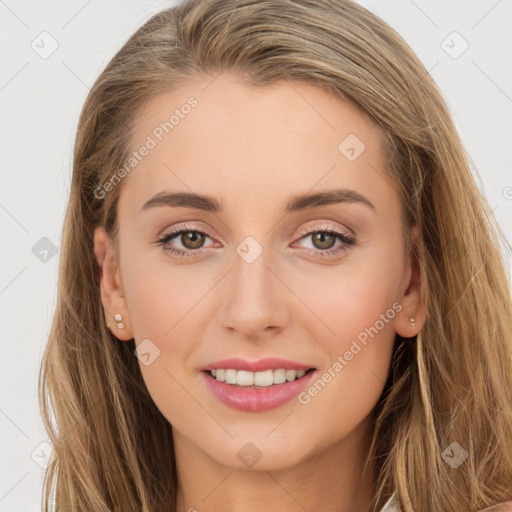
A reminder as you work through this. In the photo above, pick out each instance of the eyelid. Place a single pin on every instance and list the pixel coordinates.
(328, 227)
(188, 226)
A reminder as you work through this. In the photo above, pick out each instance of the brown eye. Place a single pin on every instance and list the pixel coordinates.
(323, 240)
(192, 239)
(185, 242)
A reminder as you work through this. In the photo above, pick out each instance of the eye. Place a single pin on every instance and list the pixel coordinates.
(190, 237)
(324, 239)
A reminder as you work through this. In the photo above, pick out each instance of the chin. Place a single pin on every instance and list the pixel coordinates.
(261, 454)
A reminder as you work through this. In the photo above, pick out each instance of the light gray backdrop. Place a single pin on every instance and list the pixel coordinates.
(51, 53)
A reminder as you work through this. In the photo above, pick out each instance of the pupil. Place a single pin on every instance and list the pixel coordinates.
(324, 238)
(192, 237)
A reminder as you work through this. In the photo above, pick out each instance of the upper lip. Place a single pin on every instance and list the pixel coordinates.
(268, 363)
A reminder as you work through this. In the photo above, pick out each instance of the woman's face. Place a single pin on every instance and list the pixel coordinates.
(260, 271)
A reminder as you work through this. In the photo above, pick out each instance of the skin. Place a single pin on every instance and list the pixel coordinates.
(253, 150)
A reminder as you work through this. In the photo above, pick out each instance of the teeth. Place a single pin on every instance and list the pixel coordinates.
(290, 375)
(244, 378)
(230, 377)
(279, 376)
(263, 379)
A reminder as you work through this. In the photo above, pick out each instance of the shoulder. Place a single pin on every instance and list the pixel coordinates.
(391, 505)
(501, 507)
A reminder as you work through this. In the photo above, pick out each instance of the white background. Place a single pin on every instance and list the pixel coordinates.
(40, 101)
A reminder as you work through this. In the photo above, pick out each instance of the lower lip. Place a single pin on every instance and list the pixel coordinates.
(254, 399)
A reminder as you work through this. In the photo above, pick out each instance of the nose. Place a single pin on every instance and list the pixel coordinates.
(253, 301)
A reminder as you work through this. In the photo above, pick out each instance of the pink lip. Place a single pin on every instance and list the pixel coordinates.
(255, 399)
(269, 363)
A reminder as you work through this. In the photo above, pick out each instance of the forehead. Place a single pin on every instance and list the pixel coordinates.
(229, 101)
(220, 136)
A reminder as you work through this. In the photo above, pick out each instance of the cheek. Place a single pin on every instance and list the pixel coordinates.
(348, 297)
(350, 383)
(354, 327)
(159, 294)
(354, 300)
(164, 303)
(160, 311)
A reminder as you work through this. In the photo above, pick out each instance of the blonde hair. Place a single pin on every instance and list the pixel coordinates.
(452, 384)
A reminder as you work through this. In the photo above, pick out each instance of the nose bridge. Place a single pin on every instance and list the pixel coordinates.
(252, 299)
(251, 278)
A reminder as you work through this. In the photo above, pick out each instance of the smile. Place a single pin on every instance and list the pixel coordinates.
(263, 379)
(253, 386)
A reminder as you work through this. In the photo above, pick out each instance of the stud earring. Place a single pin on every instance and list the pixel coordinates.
(412, 320)
(118, 318)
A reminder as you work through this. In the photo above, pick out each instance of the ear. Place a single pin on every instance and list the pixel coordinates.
(410, 298)
(112, 294)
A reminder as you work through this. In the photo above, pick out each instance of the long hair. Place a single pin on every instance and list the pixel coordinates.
(449, 389)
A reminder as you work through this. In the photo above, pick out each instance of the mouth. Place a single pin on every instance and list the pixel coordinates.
(256, 380)
(258, 391)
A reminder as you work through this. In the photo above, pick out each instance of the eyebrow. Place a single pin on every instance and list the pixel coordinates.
(299, 203)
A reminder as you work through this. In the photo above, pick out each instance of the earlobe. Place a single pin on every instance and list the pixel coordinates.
(118, 318)
(111, 289)
(412, 317)
(407, 327)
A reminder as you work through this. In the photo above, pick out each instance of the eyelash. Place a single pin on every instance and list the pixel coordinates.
(346, 239)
